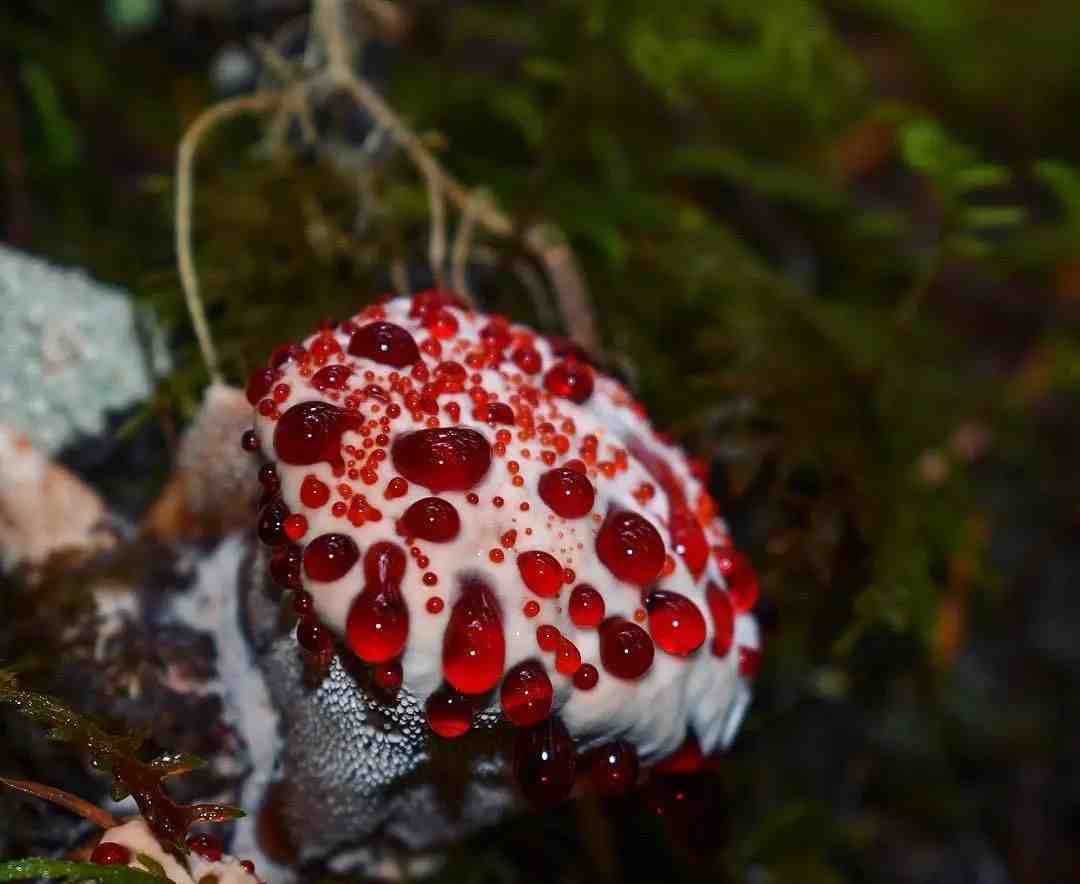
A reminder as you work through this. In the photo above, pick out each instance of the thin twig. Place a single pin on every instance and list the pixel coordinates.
(74, 803)
(462, 249)
(437, 244)
(185, 166)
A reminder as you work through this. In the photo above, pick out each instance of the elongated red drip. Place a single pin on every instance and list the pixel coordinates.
(545, 762)
(474, 648)
(378, 623)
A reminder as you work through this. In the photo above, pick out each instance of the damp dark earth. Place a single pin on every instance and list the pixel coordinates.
(504, 442)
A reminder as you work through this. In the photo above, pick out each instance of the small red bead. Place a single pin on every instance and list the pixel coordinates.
(449, 713)
(567, 492)
(741, 578)
(385, 343)
(541, 572)
(526, 693)
(109, 853)
(586, 677)
(330, 556)
(433, 519)
(547, 637)
(625, 648)
(614, 769)
(571, 380)
(586, 606)
(675, 622)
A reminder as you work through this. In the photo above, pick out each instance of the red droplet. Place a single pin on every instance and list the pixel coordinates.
(249, 442)
(441, 323)
(567, 656)
(314, 493)
(686, 759)
(531, 608)
(474, 648)
(614, 769)
(207, 846)
(586, 606)
(527, 359)
(547, 637)
(571, 380)
(259, 384)
(749, 661)
(303, 603)
(285, 566)
(742, 581)
(434, 605)
(315, 638)
(109, 853)
(625, 648)
(388, 675)
(675, 622)
(431, 299)
(287, 353)
(332, 377)
(631, 548)
(541, 572)
(432, 518)
(248, 866)
(271, 522)
(497, 413)
(449, 713)
(378, 622)
(311, 432)
(385, 343)
(496, 334)
(567, 492)
(330, 556)
(526, 693)
(442, 459)
(586, 677)
(296, 526)
(544, 762)
(723, 615)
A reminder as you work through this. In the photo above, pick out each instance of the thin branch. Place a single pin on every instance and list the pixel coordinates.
(74, 803)
(185, 166)
(463, 239)
(437, 244)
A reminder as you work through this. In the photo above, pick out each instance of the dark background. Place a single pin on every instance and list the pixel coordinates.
(834, 245)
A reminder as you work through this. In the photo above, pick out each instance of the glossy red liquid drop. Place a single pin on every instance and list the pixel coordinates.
(271, 522)
(526, 693)
(631, 548)
(432, 518)
(330, 556)
(378, 623)
(567, 492)
(723, 617)
(313, 492)
(586, 607)
(207, 846)
(686, 759)
(109, 853)
(449, 713)
(614, 768)
(385, 343)
(675, 622)
(315, 638)
(544, 762)
(388, 675)
(547, 637)
(586, 678)
(259, 384)
(332, 377)
(541, 572)
(571, 380)
(474, 648)
(742, 580)
(311, 432)
(625, 648)
(685, 531)
(285, 566)
(442, 459)
(749, 661)
(567, 656)
(527, 359)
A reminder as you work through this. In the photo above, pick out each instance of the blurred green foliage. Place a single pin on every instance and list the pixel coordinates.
(834, 245)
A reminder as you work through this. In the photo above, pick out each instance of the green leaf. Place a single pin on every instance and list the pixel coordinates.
(37, 867)
(152, 865)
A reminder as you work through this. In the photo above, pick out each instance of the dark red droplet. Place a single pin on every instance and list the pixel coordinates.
(285, 566)
(614, 768)
(443, 458)
(385, 343)
(566, 348)
(675, 623)
(109, 853)
(544, 762)
(741, 578)
(287, 353)
(586, 678)
(330, 556)
(474, 648)
(249, 442)
(723, 616)
(259, 384)
(248, 866)
(332, 377)
(378, 623)
(311, 432)
(631, 548)
(586, 607)
(527, 359)
(207, 846)
(271, 522)
(547, 637)
(432, 518)
(541, 572)
(749, 661)
(686, 759)
(526, 693)
(571, 380)
(498, 413)
(688, 539)
(625, 648)
(388, 675)
(313, 492)
(449, 713)
(567, 492)
(496, 334)
(315, 638)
